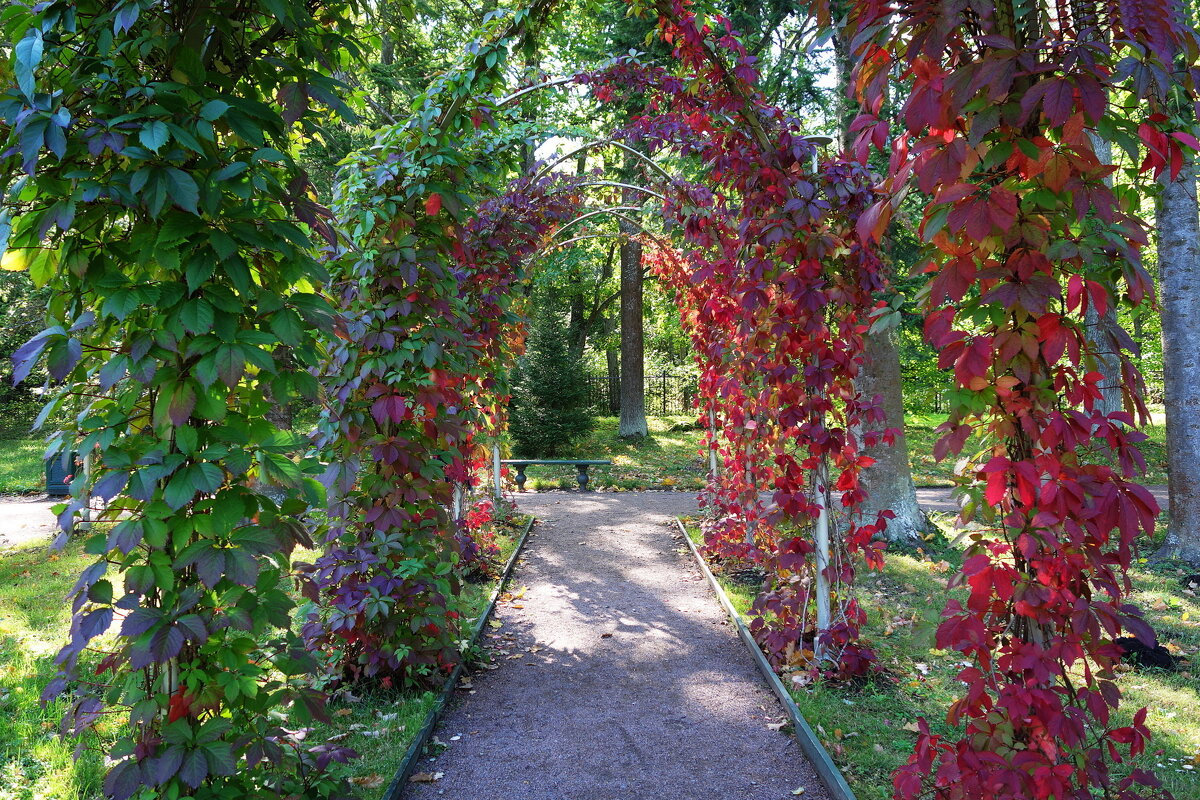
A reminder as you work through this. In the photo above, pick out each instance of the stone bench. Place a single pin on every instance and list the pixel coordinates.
(581, 467)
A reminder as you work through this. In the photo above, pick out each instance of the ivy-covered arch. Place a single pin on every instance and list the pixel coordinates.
(181, 299)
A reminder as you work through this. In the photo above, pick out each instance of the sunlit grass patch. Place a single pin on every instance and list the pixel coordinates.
(21, 467)
(34, 762)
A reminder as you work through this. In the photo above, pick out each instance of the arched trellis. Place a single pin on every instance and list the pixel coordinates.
(408, 421)
(399, 281)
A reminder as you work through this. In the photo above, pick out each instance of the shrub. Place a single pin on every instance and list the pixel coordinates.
(549, 404)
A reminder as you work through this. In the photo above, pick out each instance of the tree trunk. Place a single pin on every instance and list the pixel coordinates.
(613, 357)
(888, 482)
(1102, 328)
(633, 391)
(1178, 225)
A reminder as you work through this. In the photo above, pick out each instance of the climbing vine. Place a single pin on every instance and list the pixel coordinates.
(776, 289)
(1027, 229)
(415, 376)
(147, 182)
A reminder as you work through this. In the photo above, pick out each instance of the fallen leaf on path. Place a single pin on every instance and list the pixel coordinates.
(777, 726)
(426, 777)
(606, 636)
(495, 624)
(799, 790)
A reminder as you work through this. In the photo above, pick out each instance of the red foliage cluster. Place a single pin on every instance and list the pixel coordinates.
(1027, 234)
(775, 290)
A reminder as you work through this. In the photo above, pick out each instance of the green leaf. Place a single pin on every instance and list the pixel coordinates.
(179, 491)
(206, 477)
(213, 109)
(42, 266)
(197, 316)
(184, 191)
(154, 134)
(28, 53)
(231, 363)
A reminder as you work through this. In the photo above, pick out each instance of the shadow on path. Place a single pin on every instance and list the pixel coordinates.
(619, 676)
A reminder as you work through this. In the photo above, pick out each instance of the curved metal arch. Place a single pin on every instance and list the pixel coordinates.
(645, 159)
(620, 185)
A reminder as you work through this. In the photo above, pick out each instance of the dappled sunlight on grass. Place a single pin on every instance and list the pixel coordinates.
(21, 467)
(869, 728)
(669, 458)
(34, 762)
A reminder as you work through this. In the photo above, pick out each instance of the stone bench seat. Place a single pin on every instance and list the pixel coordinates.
(581, 467)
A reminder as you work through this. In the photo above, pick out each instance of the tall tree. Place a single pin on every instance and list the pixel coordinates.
(888, 483)
(633, 336)
(1179, 284)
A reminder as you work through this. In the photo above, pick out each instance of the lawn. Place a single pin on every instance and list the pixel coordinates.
(669, 458)
(867, 728)
(34, 762)
(36, 765)
(21, 467)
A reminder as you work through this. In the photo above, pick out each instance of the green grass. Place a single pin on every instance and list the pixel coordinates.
(21, 468)
(920, 430)
(863, 727)
(34, 762)
(36, 765)
(665, 459)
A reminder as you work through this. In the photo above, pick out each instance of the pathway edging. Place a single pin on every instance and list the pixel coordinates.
(825, 768)
(416, 750)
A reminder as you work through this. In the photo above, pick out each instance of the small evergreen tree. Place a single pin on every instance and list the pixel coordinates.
(549, 404)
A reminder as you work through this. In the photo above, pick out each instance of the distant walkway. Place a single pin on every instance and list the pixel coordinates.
(618, 676)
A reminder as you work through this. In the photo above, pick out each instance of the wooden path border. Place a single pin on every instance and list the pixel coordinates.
(416, 750)
(810, 745)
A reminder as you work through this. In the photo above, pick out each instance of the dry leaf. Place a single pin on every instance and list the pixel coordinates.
(1158, 605)
(799, 790)
(776, 726)
(912, 726)
(495, 624)
(606, 636)
(342, 712)
(426, 777)
(372, 781)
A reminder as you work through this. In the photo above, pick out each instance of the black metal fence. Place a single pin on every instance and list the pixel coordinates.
(665, 393)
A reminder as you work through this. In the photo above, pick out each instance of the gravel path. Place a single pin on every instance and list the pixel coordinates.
(618, 675)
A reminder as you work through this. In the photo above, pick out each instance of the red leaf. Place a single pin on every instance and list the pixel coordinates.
(434, 204)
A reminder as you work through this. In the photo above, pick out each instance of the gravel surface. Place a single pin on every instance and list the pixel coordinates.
(26, 519)
(618, 674)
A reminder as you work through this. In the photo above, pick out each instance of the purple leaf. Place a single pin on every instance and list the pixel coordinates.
(194, 769)
(95, 623)
(123, 781)
(110, 485)
(166, 765)
(140, 621)
(166, 643)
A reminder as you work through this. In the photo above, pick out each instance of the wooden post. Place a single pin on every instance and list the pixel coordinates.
(712, 447)
(496, 469)
(821, 491)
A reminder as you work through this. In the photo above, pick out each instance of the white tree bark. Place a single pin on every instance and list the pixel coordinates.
(1178, 225)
